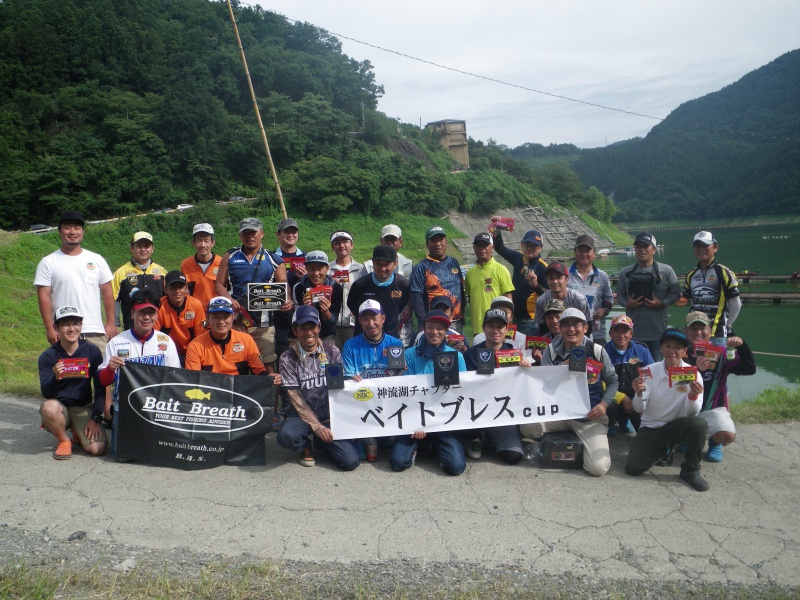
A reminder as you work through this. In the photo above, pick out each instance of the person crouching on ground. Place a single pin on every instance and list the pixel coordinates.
(669, 414)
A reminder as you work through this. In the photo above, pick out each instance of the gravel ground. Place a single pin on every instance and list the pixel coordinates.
(399, 578)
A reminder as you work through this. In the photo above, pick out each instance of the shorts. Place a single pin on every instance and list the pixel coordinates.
(718, 419)
(97, 339)
(77, 418)
(264, 338)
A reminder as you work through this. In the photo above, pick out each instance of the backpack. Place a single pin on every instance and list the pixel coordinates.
(643, 284)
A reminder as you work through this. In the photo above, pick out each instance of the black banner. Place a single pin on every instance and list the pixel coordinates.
(192, 419)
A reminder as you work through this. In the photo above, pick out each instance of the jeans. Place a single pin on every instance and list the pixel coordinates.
(294, 436)
(528, 327)
(650, 444)
(447, 444)
(655, 349)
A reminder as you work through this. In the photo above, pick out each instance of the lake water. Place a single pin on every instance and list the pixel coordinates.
(767, 328)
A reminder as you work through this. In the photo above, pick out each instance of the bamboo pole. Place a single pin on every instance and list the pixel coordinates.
(258, 113)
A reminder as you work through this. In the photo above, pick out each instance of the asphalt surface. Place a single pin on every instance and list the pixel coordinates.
(744, 530)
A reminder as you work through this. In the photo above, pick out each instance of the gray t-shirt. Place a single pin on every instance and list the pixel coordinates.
(307, 376)
(649, 323)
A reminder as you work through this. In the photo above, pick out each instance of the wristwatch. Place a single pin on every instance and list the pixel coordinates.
(97, 418)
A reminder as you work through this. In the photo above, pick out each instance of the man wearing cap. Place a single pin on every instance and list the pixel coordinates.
(527, 275)
(505, 304)
(506, 439)
(444, 304)
(74, 276)
(345, 271)
(365, 356)
(585, 278)
(627, 357)
(181, 316)
(70, 401)
(309, 291)
(646, 289)
(288, 234)
(669, 414)
(419, 360)
(140, 273)
(302, 369)
(437, 275)
(222, 349)
(201, 270)
(140, 344)
(252, 263)
(558, 282)
(486, 279)
(712, 288)
(552, 317)
(714, 371)
(602, 382)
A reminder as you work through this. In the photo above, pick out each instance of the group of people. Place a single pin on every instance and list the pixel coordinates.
(342, 311)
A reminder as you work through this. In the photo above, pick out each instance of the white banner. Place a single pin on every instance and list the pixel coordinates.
(390, 406)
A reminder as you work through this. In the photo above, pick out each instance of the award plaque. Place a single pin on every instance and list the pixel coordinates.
(445, 368)
(334, 374)
(396, 358)
(485, 362)
(577, 360)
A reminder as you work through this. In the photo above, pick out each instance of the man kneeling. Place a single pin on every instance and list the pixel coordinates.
(669, 414)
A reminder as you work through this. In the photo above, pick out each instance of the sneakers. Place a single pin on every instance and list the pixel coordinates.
(627, 427)
(668, 458)
(695, 481)
(307, 457)
(63, 451)
(612, 430)
(681, 448)
(474, 449)
(714, 453)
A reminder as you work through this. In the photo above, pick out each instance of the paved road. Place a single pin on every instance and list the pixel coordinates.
(744, 530)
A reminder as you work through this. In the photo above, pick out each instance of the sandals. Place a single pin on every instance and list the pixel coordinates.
(64, 451)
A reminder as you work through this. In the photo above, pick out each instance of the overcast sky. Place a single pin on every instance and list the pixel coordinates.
(638, 56)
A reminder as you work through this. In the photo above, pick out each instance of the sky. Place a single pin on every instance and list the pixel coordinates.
(638, 56)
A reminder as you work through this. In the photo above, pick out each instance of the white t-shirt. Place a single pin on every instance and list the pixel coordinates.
(665, 403)
(75, 281)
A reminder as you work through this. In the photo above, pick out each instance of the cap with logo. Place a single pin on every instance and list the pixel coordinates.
(141, 235)
(502, 301)
(392, 230)
(250, 224)
(705, 238)
(572, 313)
(555, 305)
(66, 311)
(370, 306)
(532, 237)
(558, 267)
(384, 252)
(482, 238)
(495, 314)
(220, 304)
(645, 238)
(584, 240)
(72, 215)
(174, 277)
(341, 235)
(437, 316)
(441, 301)
(202, 228)
(673, 333)
(434, 231)
(287, 223)
(144, 299)
(316, 256)
(305, 314)
(622, 321)
(697, 317)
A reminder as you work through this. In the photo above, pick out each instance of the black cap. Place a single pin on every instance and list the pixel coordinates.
(584, 240)
(483, 238)
(673, 333)
(645, 238)
(174, 277)
(384, 252)
(72, 215)
(441, 300)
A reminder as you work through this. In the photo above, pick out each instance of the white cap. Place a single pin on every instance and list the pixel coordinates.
(705, 238)
(370, 305)
(391, 230)
(341, 234)
(67, 311)
(572, 313)
(203, 228)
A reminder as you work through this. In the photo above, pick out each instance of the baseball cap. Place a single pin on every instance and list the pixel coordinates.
(502, 301)
(697, 317)
(705, 238)
(434, 231)
(203, 228)
(341, 234)
(572, 313)
(144, 299)
(391, 230)
(305, 314)
(384, 252)
(645, 238)
(483, 238)
(174, 277)
(532, 237)
(250, 223)
(317, 256)
(584, 240)
(220, 304)
(141, 235)
(72, 215)
(673, 333)
(495, 313)
(441, 301)
(555, 305)
(370, 306)
(67, 311)
(437, 315)
(622, 320)
(558, 267)
(286, 223)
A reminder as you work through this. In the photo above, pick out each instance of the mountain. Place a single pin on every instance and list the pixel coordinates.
(734, 152)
